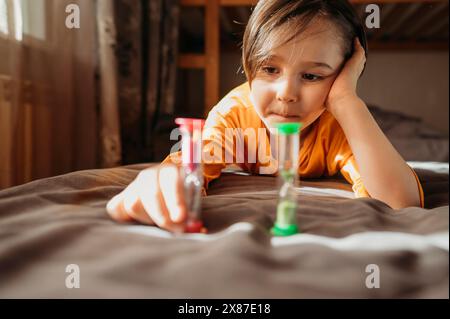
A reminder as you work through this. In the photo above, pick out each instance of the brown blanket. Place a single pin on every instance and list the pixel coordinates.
(51, 223)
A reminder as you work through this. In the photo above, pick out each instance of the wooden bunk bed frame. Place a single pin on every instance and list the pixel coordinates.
(209, 61)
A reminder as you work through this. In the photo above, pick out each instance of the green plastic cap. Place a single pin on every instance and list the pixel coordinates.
(284, 230)
(289, 128)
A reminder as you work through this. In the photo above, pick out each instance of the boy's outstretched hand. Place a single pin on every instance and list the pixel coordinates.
(344, 86)
(155, 197)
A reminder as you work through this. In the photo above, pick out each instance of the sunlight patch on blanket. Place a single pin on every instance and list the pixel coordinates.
(366, 241)
(369, 241)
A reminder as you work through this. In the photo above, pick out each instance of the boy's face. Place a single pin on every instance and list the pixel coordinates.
(293, 84)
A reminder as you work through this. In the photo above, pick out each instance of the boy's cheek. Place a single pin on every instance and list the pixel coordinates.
(319, 97)
(260, 101)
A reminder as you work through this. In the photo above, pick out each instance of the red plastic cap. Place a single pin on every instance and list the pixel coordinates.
(194, 226)
(190, 124)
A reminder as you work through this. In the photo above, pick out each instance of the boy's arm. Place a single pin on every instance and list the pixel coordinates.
(384, 173)
(343, 159)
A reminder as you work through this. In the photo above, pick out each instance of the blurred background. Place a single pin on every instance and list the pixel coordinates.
(106, 93)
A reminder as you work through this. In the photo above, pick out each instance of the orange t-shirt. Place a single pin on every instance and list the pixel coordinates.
(324, 150)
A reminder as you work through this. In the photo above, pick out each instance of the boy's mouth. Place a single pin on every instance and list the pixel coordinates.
(277, 118)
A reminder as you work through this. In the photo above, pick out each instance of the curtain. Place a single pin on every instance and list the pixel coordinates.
(142, 41)
(48, 116)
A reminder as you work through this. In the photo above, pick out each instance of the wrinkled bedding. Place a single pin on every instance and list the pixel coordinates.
(412, 138)
(48, 224)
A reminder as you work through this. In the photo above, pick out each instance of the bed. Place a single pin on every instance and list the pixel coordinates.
(49, 224)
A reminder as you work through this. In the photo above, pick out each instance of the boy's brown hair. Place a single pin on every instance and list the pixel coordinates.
(272, 22)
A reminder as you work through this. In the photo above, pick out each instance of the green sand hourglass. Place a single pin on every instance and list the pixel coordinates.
(289, 145)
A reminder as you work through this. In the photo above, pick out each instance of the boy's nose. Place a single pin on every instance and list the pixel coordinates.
(287, 92)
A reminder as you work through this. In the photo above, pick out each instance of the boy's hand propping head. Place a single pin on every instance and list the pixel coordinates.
(155, 197)
(344, 86)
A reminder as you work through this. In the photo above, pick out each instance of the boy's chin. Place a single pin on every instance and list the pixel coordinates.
(272, 121)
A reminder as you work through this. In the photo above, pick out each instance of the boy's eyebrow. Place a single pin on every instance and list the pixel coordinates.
(318, 64)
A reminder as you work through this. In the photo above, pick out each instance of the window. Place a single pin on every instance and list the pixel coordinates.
(33, 15)
(3, 18)
(24, 18)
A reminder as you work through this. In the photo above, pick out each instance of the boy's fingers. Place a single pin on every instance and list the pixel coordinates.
(361, 51)
(133, 206)
(152, 201)
(172, 192)
(116, 210)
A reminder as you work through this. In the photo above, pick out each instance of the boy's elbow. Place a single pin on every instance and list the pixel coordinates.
(402, 201)
(399, 199)
(401, 205)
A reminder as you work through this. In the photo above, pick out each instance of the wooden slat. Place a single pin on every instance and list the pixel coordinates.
(436, 34)
(437, 16)
(410, 21)
(391, 17)
(192, 61)
(6, 127)
(409, 45)
(212, 41)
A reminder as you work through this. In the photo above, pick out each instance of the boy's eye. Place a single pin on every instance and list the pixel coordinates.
(311, 77)
(269, 70)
